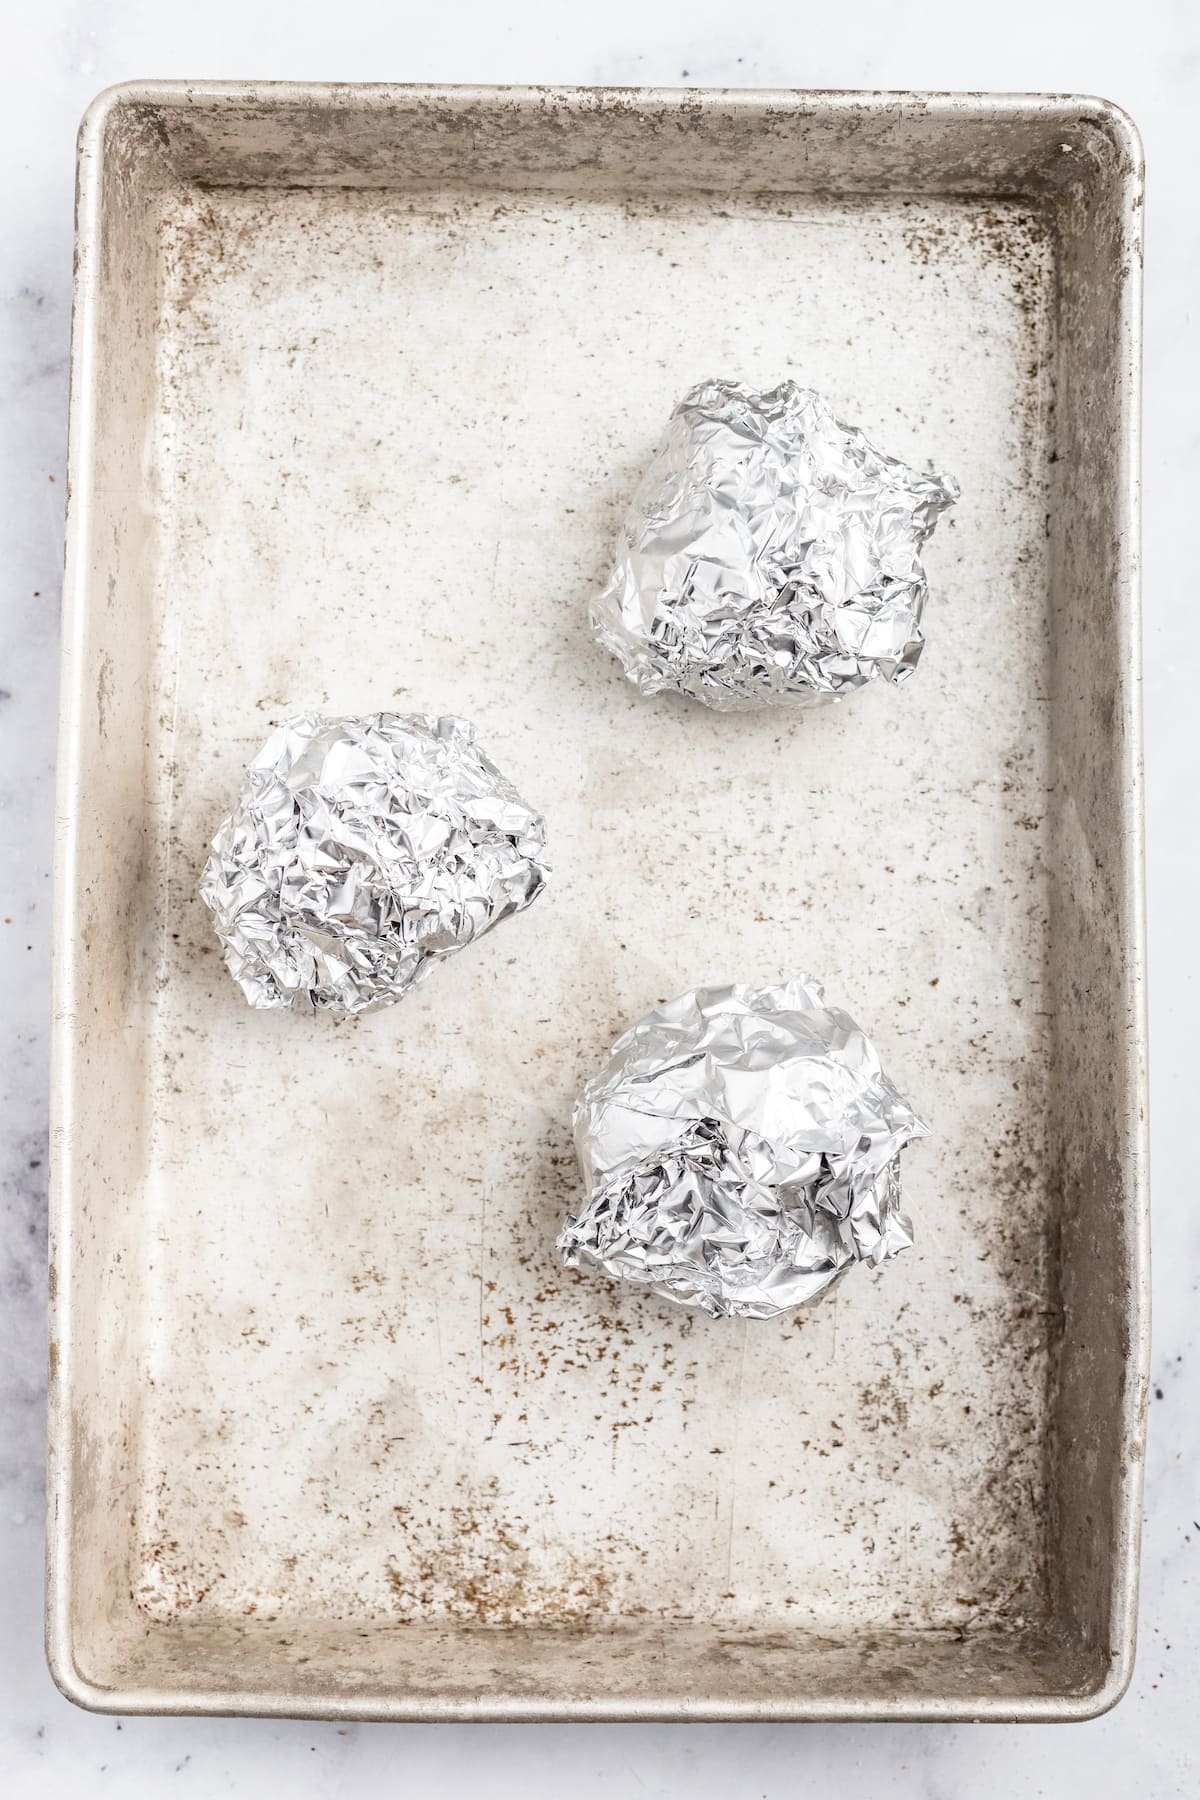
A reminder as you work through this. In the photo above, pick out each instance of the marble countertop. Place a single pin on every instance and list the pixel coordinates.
(59, 54)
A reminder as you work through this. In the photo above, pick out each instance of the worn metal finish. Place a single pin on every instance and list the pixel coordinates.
(284, 1477)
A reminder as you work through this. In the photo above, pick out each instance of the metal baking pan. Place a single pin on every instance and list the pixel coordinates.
(332, 1434)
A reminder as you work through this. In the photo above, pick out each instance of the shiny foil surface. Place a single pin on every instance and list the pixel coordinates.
(361, 852)
(772, 555)
(740, 1151)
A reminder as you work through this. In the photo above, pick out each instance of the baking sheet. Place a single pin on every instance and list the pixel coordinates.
(512, 1490)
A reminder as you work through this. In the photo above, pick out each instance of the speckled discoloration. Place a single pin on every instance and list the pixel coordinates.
(432, 1453)
(394, 428)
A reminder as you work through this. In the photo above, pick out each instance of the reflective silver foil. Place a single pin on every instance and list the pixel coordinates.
(771, 555)
(361, 852)
(741, 1151)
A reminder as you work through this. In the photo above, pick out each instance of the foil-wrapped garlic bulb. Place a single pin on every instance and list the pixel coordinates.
(360, 853)
(771, 556)
(740, 1151)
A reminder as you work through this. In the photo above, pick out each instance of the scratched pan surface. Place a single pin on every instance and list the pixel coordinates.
(362, 381)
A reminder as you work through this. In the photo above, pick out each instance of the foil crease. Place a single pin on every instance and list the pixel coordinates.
(771, 555)
(740, 1151)
(361, 852)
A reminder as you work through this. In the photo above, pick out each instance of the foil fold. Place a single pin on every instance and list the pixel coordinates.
(740, 1151)
(771, 555)
(360, 853)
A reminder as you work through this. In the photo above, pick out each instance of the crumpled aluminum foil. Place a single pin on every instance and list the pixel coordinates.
(361, 852)
(740, 1150)
(771, 555)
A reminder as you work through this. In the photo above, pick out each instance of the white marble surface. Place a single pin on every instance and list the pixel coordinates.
(58, 54)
